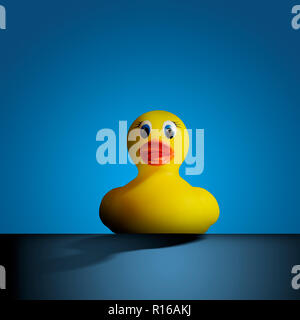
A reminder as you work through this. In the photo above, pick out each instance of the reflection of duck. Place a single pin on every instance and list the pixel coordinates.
(158, 200)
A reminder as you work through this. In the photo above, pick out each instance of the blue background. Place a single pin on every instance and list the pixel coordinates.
(70, 68)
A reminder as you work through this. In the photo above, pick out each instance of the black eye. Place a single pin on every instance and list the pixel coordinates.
(170, 131)
(145, 131)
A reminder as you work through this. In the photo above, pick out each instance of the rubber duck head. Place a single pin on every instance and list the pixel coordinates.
(158, 140)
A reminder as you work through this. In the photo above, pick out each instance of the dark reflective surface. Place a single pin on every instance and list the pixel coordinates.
(155, 267)
(96, 249)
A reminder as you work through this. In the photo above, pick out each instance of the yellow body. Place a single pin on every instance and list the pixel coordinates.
(158, 200)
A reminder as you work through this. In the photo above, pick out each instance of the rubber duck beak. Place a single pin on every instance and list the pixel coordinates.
(156, 153)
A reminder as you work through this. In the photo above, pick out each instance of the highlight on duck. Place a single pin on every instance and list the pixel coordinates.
(158, 200)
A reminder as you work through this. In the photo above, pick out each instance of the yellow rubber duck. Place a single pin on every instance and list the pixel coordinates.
(158, 200)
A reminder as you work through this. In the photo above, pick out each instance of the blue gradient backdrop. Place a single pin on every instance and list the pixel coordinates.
(70, 68)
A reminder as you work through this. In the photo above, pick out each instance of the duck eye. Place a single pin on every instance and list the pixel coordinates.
(169, 130)
(145, 130)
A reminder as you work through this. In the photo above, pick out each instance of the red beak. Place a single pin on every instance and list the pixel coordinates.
(156, 153)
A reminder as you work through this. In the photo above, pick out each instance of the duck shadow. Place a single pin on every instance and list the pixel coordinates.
(94, 250)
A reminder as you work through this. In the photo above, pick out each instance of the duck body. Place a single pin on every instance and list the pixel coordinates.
(158, 200)
(159, 204)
